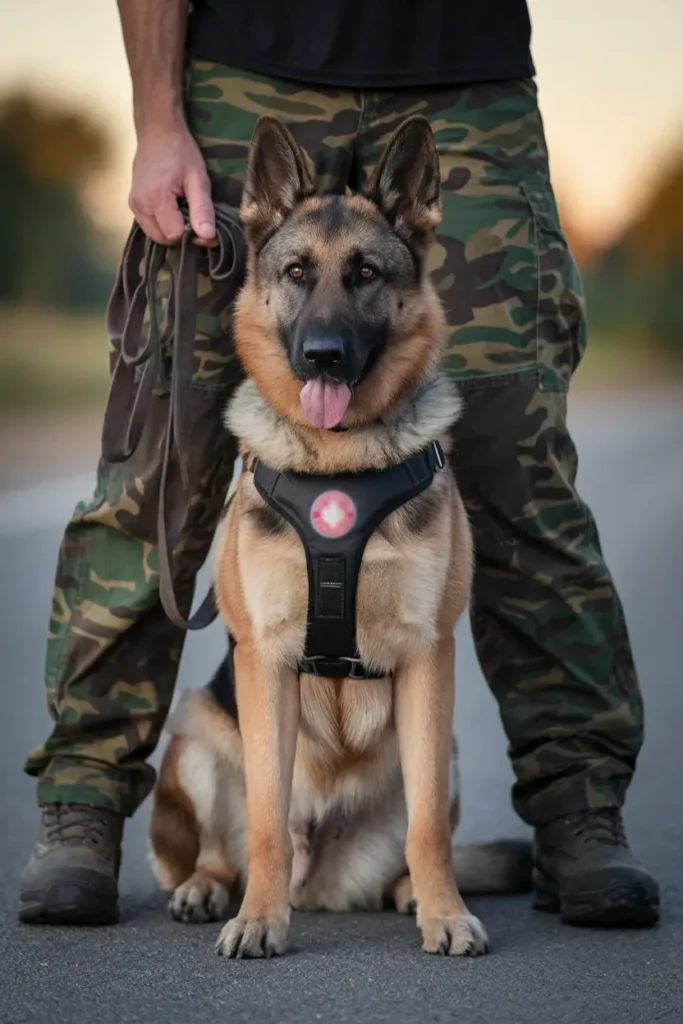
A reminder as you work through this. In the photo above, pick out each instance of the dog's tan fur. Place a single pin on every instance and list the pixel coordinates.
(331, 794)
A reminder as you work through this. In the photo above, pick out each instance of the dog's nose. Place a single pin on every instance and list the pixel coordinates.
(323, 353)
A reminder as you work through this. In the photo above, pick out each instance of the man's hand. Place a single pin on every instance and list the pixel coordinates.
(168, 165)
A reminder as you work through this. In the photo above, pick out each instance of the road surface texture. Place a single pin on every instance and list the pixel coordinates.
(370, 968)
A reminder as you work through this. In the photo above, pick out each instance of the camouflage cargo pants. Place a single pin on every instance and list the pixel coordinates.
(548, 625)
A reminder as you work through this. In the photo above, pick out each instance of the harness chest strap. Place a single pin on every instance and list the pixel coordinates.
(335, 517)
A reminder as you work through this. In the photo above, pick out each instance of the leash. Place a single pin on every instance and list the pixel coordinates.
(140, 366)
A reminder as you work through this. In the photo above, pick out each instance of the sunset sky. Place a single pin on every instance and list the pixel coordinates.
(610, 75)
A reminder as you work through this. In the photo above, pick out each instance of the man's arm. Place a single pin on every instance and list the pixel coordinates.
(167, 163)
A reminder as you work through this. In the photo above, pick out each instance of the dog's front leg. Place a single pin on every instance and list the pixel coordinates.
(268, 703)
(424, 692)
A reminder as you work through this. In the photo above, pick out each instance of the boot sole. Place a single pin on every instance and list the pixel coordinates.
(64, 904)
(630, 905)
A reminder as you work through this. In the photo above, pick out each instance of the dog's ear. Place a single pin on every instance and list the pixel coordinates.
(406, 184)
(276, 179)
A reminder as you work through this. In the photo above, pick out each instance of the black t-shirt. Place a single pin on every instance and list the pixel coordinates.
(366, 43)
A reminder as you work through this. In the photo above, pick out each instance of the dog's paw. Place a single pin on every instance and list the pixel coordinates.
(253, 938)
(459, 935)
(199, 899)
(403, 896)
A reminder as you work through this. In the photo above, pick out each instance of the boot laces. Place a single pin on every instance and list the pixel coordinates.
(603, 826)
(75, 825)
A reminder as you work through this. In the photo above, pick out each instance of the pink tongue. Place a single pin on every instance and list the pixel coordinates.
(324, 403)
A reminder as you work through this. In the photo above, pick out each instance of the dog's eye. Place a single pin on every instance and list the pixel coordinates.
(296, 272)
(367, 272)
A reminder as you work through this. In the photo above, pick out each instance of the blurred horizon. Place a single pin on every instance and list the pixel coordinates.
(611, 95)
(609, 78)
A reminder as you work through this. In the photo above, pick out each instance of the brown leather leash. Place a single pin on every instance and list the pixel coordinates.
(140, 366)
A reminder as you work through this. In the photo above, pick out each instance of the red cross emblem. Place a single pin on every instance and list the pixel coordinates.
(333, 514)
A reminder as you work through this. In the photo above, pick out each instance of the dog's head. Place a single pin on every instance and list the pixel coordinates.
(338, 318)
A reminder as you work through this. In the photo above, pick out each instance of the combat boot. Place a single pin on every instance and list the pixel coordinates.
(584, 869)
(72, 876)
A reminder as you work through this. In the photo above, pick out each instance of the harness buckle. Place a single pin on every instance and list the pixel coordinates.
(355, 668)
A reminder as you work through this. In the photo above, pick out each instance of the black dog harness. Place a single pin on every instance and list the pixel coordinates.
(335, 517)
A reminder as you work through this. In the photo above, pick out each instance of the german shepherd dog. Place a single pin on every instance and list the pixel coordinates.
(333, 794)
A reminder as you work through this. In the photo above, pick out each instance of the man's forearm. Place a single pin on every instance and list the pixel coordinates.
(154, 37)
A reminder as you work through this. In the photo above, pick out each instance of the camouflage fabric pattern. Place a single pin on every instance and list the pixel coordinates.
(112, 654)
(547, 622)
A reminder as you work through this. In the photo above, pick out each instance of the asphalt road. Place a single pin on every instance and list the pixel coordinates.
(368, 968)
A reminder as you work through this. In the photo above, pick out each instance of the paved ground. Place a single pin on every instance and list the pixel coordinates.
(369, 968)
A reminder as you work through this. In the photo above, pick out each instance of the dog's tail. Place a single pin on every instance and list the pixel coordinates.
(493, 868)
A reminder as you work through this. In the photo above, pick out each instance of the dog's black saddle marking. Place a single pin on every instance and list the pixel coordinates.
(335, 517)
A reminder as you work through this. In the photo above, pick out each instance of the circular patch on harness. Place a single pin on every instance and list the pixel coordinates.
(333, 514)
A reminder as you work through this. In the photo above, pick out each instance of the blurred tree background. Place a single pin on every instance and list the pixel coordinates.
(56, 264)
(635, 287)
(52, 254)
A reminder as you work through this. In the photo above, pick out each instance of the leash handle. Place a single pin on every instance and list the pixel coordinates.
(139, 365)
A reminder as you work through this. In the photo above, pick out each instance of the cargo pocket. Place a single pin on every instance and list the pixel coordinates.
(560, 307)
(484, 266)
(510, 288)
